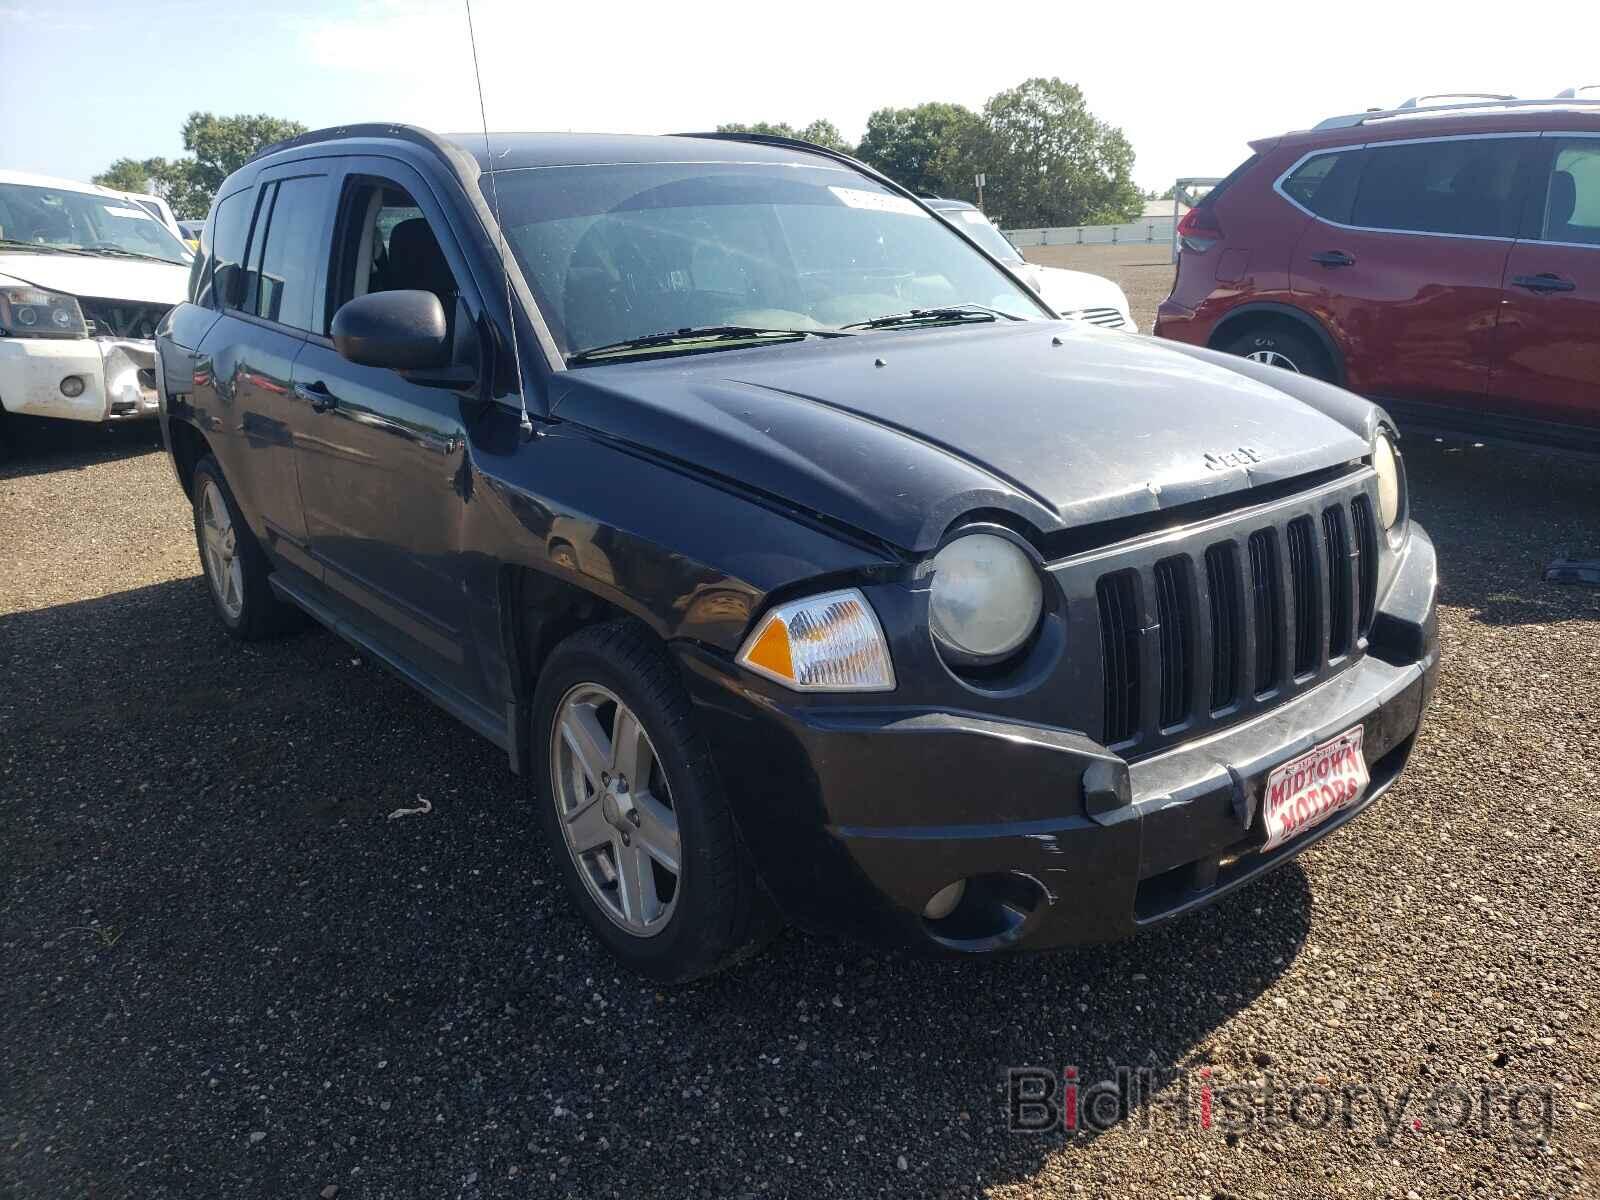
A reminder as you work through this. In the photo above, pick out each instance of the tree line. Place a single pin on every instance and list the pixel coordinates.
(1047, 160)
(216, 148)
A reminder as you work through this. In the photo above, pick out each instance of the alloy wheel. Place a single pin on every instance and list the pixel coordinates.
(221, 546)
(1274, 359)
(615, 809)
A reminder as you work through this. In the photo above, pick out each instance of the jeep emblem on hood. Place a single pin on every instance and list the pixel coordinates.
(1242, 457)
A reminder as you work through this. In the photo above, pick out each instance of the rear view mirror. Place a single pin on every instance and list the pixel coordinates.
(401, 330)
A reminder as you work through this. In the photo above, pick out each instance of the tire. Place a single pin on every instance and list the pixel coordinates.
(1286, 348)
(244, 600)
(672, 927)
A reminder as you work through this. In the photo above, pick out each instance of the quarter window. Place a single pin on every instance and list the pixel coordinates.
(1461, 186)
(1572, 199)
(1326, 184)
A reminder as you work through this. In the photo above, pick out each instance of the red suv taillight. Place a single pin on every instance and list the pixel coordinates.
(1199, 230)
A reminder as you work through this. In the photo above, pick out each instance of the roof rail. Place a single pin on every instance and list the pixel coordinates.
(1576, 93)
(1422, 101)
(1350, 120)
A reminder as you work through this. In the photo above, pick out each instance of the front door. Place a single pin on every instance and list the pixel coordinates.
(1548, 368)
(1410, 280)
(384, 473)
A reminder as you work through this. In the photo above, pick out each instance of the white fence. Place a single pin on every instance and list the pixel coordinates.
(1151, 229)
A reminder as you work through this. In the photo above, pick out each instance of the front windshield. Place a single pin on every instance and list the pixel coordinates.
(977, 227)
(62, 219)
(623, 251)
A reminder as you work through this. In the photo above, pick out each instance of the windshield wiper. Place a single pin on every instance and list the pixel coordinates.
(39, 247)
(696, 334)
(943, 312)
(119, 252)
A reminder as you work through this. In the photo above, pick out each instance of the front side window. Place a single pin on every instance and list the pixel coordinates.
(388, 245)
(1461, 186)
(69, 221)
(618, 252)
(283, 286)
(1572, 198)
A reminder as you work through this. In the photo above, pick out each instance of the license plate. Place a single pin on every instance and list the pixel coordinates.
(1306, 791)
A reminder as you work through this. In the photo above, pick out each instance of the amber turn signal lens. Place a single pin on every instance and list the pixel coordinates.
(827, 643)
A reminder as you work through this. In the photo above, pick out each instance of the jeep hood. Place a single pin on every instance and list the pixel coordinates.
(108, 278)
(900, 433)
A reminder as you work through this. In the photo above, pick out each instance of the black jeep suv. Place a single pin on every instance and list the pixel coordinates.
(801, 561)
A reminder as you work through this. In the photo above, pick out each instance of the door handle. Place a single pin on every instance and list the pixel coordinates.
(320, 398)
(1333, 258)
(1545, 282)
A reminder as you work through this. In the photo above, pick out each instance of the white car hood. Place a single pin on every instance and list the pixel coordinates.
(1068, 291)
(110, 278)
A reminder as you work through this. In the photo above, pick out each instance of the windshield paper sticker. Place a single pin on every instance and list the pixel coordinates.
(877, 201)
(125, 212)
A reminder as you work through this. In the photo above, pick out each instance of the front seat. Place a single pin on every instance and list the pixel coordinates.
(1562, 205)
(415, 261)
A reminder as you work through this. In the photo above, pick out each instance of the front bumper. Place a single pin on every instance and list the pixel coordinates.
(117, 373)
(857, 816)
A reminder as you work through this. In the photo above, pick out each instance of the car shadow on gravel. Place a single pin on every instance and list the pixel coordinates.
(34, 446)
(240, 960)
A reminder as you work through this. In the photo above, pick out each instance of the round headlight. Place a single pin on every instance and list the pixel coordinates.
(1388, 470)
(985, 597)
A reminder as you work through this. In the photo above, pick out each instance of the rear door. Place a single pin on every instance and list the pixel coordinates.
(1405, 257)
(266, 298)
(383, 462)
(1548, 368)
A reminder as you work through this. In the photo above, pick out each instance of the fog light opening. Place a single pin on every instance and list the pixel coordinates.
(72, 386)
(944, 901)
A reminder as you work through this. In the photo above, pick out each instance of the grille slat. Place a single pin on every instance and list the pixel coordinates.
(1267, 605)
(1303, 585)
(1366, 562)
(1173, 614)
(1119, 645)
(1336, 540)
(1227, 622)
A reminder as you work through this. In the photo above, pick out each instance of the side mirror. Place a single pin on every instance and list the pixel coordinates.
(401, 330)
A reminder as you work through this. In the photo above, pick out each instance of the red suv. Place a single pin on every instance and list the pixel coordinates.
(1443, 259)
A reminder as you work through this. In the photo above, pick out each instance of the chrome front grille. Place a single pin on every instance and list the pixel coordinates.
(1106, 318)
(1201, 629)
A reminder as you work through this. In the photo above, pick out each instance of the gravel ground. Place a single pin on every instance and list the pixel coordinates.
(225, 971)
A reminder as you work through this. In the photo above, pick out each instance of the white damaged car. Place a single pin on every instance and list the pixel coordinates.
(85, 277)
(1076, 295)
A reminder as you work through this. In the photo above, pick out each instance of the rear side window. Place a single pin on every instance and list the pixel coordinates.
(1572, 198)
(284, 282)
(1326, 184)
(222, 250)
(1461, 186)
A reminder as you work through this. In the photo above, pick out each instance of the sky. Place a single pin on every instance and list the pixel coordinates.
(1190, 84)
